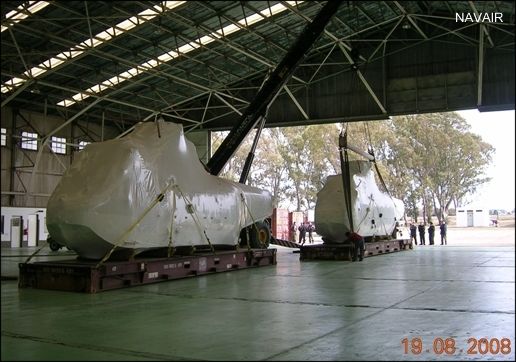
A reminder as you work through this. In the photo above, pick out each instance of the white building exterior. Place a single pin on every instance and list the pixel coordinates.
(472, 215)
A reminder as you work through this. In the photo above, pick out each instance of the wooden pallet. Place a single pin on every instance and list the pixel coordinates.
(84, 276)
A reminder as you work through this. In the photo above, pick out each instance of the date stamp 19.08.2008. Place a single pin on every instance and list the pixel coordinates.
(449, 346)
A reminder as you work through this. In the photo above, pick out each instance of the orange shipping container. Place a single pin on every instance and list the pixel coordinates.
(280, 223)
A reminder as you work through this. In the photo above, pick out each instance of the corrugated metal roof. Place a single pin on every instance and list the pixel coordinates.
(233, 66)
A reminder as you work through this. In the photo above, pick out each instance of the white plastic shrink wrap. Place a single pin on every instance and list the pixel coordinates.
(374, 212)
(111, 184)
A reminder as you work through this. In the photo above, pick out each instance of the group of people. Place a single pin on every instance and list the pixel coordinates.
(421, 228)
(303, 229)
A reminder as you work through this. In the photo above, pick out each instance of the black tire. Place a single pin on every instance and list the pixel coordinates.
(54, 246)
(259, 236)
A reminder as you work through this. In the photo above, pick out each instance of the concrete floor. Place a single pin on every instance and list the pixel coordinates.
(310, 310)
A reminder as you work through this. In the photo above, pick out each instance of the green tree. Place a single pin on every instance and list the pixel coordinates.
(269, 170)
(443, 159)
(426, 160)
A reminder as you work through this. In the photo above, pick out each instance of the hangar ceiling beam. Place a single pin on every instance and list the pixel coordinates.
(275, 24)
(271, 87)
(258, 57)
(248, 28)
(333, 37)
(322, 63)
(85, 95)
(384, 41)
(70, 120)
(296, 102)
(162, 112)
(206, 107)
(455, 32)
(18, 50)
(192, 58)
(362, 78)
(409, 17)
(107, 98)
(227, 103)
(482, 25)
(342, 47)
(424, 41)
(480, 64)
(80, 49)
(16, 92)
(344, 38)
(109, 56)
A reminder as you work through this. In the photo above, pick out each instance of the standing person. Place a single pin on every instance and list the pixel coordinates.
(421, 229)
(359, 245)
(431, 233)
(443, 233)
(310, 230)
(293, 230)
(302, 233)
(413, 233)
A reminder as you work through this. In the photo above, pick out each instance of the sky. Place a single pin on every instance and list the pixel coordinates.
(497, 129)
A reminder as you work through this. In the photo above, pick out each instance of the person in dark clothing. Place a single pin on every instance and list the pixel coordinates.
(413, 233)
(431, 233)
(310, 229)
(421, 229)
(302, 233)
(358, 243)
(443, 233)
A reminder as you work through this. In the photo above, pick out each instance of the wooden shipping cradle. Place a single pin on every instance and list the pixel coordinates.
(345, 251)
(86, 276)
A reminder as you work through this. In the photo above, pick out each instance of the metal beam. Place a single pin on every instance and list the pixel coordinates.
(384, 41)
(319, 66)
(227, 103)
(296, 102)
(343, 46)
(271, 87)
(250, 155)
(414, 24)
(16, 92)
(143, 108)
(482, 26)
(326, 32)
(362, 78)
(108, 56)
(480, 65)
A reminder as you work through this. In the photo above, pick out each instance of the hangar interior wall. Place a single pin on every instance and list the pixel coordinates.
(29, 177)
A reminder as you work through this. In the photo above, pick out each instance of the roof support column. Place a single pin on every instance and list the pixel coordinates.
(480, 65)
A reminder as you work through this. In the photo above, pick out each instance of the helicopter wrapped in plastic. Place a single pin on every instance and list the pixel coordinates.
(374, 212)
(149, 190)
